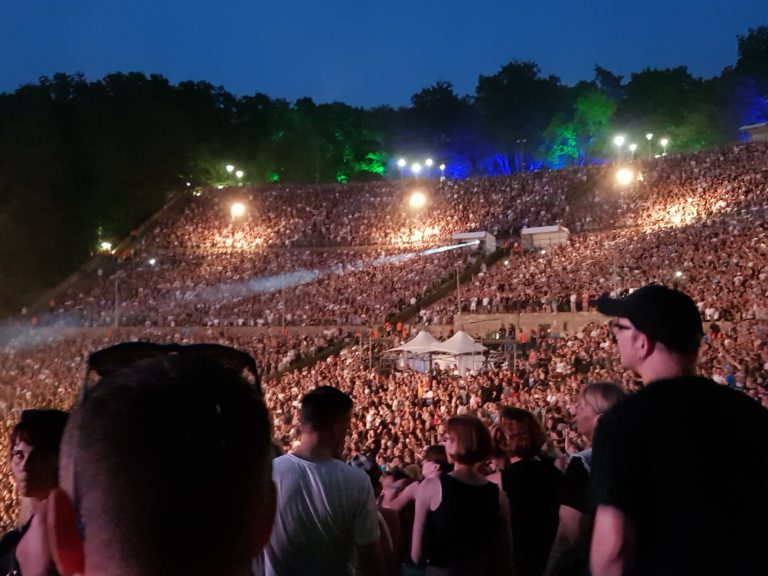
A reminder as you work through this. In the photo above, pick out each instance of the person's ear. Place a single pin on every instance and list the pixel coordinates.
(645, 346)
(63, 534)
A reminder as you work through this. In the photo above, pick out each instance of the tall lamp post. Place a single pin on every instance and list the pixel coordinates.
(664, 142)
(649, 137)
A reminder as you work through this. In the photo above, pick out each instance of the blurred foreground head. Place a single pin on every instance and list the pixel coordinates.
(165, 469)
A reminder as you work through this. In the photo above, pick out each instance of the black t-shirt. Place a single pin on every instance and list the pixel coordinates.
(686, 460)
(533, 488)
(573, 492)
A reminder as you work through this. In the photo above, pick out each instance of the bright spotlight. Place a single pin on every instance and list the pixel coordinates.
(649, 136)
(417, 200)
(429, 162)
(401, 163)
(237, 209)
(230, 168)
(106, 246)
(442, 167)
(619, 140)
(625, 176)
(678, 274)
(632, 147)
(152, 261)
(416, 168)
(239, 174)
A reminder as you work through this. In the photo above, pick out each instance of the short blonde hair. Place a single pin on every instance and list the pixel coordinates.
(600, 396)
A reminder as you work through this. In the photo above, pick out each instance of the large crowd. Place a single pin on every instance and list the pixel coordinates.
(330, 256)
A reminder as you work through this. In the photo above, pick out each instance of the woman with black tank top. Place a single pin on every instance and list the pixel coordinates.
(461, 524)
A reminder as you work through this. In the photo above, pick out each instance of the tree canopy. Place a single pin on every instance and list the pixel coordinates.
(82, 160)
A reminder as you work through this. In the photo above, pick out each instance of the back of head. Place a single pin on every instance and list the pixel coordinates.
(171, 469)
(473, 443)
(436, 453)
(600, 396)
(323, 407)
(525, 435)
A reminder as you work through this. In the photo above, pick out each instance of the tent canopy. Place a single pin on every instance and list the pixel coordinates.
(422, 343)
(461, 343)
(425, 343)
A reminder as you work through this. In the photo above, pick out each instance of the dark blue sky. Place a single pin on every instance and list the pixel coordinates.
(359, 52)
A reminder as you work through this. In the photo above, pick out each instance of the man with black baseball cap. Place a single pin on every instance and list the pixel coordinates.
(658, 331)
(671, 463)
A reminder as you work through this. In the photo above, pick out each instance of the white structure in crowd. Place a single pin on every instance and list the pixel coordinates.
(488, 241)
(543, 236)
(460, 353)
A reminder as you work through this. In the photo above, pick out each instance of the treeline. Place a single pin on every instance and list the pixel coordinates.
(87, 160)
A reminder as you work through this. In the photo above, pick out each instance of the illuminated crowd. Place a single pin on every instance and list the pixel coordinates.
(331, 256)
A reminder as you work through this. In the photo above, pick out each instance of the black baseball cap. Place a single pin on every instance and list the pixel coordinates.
(663, 314)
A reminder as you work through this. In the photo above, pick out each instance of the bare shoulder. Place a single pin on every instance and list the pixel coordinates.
(430, 492)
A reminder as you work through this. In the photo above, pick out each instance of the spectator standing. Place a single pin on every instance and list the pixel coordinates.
(532, 483)
(326, 509)
(186, 492)
(35, 443)
(570, 551)
(671, 500)
(461, 524)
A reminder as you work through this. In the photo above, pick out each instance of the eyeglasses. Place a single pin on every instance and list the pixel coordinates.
(616, 326)
(107, 361)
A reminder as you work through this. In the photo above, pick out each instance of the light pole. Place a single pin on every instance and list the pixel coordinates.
(619, 141)
(416, 169)
(664, 142)
(632, 148)
(521, 154)
(442, 172)
(239, 175)
(429, 163)
(649, 137)
(458, 292)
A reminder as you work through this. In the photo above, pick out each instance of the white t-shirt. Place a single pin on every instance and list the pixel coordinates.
(324, 510)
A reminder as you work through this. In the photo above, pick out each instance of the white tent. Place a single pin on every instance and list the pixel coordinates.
(461, 352)
(461, 343)
(417, 353)
(422, 343)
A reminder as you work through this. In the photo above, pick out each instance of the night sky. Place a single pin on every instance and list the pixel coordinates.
(359, 52)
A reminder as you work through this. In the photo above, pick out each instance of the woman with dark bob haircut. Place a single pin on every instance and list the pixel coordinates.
(34, 443)
(461, 524)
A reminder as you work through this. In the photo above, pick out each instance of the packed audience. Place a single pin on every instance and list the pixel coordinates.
(693, 221)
